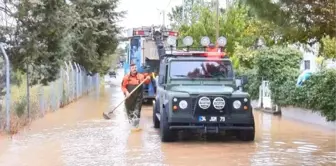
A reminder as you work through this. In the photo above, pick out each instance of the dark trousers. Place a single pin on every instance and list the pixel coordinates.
(134, 103)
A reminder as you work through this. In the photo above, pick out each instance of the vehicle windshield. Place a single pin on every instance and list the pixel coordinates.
(217, 69)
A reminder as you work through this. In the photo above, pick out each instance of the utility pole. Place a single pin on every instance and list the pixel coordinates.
(164, 17)
(183, 4)
(217, 11)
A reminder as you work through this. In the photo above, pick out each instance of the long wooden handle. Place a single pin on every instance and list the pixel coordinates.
(128, 96)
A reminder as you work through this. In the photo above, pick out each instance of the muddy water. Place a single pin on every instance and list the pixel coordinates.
(78, 136)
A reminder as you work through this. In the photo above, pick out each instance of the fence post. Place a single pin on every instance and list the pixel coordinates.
(67, 84)
(41, 99)
(98, 84)
(28, 91)
(77, 80)
(53, 96)
(7, 87)
(60, 90)
(72, 82)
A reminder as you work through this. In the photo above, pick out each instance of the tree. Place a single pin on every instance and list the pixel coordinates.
(300, 21)
(49, 32)
(97, 34)
(235, 24)
(40, 37)
(328, 47)
(176, 14)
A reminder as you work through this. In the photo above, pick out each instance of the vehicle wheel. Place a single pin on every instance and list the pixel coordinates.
(166, 134)
(246, 135)
(156, 121)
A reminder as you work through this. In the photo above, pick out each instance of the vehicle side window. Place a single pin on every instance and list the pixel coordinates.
(166, 74)
(162, 72)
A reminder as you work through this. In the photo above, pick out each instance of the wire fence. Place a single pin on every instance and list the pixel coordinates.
(21, 103)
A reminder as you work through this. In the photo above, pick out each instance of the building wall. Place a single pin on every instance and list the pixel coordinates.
(309, 59)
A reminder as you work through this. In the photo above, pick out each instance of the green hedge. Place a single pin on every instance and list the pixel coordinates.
(280, 66)
(275, 64)
(317, 93)
(253, 82)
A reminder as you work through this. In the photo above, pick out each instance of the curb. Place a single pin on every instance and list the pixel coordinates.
(269, 111)
(265, 110)
(298, 114)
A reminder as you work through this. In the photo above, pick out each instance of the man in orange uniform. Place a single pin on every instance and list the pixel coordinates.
(133, 103)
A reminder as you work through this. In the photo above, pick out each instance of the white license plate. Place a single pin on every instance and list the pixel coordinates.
(211, 119)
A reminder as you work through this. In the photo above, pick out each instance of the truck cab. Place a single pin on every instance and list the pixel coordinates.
(197, 90)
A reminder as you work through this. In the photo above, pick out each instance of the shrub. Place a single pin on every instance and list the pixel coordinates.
(280, 66)
(277, 65)
(318, 93)
(21, 106)
(252, 87)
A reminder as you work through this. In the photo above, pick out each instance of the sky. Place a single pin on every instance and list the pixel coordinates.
(145, 12)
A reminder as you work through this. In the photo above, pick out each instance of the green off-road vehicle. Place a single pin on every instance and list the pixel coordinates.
(198, 92)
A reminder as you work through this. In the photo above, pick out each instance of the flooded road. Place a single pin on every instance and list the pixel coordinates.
(77, 135)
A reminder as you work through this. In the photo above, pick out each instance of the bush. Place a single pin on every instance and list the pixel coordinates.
(318, 93)
(21, 106)
(280, 65)
(276, 64)
(252, 87)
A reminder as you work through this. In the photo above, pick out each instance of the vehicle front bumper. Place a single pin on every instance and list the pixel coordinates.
(232, 122)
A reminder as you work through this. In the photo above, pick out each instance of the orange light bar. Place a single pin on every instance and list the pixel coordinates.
(201, 53)
(139, 32)
(214, 54)
(171, 33)
(212, 49)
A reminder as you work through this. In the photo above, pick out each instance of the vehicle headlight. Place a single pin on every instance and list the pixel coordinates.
(219, 103)
(236, 104)
(183, 104)
(204, 102)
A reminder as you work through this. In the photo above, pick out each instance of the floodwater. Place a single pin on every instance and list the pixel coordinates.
(77, 135)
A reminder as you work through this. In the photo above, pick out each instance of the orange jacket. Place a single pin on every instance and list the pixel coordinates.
(132, 80)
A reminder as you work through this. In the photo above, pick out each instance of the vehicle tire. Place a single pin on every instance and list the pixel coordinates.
(166, 134)
(156, 121)
(246, 135)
